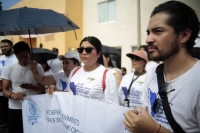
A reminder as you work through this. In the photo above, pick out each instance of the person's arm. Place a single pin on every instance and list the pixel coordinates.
(51, 90)
(6, 93)
(33, 87)
(118, 77)
(142, 123)
(1, 89)
(43, 80)
(111, 90)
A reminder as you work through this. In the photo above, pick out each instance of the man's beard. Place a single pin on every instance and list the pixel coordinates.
(7, 53)
(172, 50)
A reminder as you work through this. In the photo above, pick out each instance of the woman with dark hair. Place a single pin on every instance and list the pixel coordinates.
(46, 67)
(109, 65)
(92, 80)
(88, 80)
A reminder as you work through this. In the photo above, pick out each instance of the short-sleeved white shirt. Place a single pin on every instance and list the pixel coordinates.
(136, 89)
(89, 85)
(18, 75)
(5, 61)
(184, 101)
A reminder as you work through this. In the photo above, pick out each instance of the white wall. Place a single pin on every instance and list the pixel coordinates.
(124, 31)
(120, 33)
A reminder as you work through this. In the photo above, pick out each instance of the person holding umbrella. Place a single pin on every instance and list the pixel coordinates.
(17, 82)
(58, 80)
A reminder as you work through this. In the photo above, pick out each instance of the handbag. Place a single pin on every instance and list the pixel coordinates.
(160, 78)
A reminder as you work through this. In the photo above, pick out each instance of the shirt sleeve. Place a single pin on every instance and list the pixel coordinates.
(120, 90)
(111, 91)
(40, 69)
(144, 98)
(55, 75)
(6, 72)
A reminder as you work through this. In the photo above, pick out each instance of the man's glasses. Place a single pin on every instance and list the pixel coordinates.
(136, 58)
(165, 89)
(87, 50)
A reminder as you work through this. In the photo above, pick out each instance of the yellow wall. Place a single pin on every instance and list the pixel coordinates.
(60, 40)
(74, 9)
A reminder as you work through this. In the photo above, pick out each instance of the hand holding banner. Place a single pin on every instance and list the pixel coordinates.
(71, 114)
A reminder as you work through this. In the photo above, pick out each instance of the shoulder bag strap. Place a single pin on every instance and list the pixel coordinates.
(160, 78)
(76, 70)
(104, 80)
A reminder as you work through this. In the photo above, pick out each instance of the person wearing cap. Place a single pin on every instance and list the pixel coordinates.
(58, 80)
(132, 84)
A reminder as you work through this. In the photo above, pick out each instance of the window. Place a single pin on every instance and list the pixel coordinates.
(107, 11)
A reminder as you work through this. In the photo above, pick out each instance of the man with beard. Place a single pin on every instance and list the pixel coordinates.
(5, 60)
(172, 30)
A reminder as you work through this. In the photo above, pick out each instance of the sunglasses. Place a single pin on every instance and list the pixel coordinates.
(136, 58)
(87, 50)
(166, 88)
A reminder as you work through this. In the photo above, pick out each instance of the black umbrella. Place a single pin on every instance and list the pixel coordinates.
(46, 54)
(25, 20)
(110, 50)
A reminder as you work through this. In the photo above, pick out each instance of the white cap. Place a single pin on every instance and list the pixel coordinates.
(70, 54)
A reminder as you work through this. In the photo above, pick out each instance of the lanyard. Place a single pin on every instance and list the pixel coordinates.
(126, 100)
(133, 80)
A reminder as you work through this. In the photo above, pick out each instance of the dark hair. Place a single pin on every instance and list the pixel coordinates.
(110, 64)
(181, 17)
(124, 68)
(75, 61)
(7, 41)
(43, 61)
(21, 46)
(145, 47)
(97, 44)
(55, 49)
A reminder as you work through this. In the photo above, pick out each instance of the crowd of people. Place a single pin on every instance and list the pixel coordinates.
(162, 90)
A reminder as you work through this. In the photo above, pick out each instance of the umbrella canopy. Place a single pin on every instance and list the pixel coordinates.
(110, 50)
(25, 20)
(40, 53)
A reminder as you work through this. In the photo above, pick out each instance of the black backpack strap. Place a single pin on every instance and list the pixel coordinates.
(160, 78)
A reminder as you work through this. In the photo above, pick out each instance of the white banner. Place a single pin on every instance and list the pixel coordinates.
(65, 113)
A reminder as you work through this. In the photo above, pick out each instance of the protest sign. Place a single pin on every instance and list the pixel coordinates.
(64, 113)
